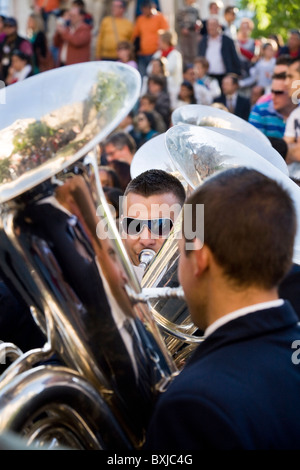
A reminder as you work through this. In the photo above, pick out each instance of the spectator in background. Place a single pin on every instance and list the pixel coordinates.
(261, 72)
(280, 69)
(157, 88)
(292, 47)
(147, 103)
(74, 40)
(188, 26)
(119, 146)
(145, 33)
(246, 45)
(113, 196)
(157, 66)
(229, 27)
(219, 51)
(270, 116)
(108, 177)
(173, 63)
(12, 42)
(125, 53)
(146, 127)
(230, 97)
(122, 169)
(42, 57)
(19, 69)
(138, 10)
(88, 18)
(201, 67)
(45, 8)
(186, 95)
(112, 30)
(201, 93)
(257, 92)
(214, 9)
(127, 125)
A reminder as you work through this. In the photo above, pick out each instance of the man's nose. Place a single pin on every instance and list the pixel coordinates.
(146, 237)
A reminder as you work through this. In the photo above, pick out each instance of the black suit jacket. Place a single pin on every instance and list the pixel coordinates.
(240, 389)
(242, 107)
(228, 51)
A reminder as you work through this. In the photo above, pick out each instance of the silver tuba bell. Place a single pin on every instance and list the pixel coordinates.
(104, 362)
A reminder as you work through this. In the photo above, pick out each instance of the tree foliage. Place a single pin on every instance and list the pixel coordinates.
(273, 16)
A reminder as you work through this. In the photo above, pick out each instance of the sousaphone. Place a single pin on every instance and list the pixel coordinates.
(104, 362)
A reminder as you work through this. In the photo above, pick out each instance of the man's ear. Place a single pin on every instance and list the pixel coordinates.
(201, 258)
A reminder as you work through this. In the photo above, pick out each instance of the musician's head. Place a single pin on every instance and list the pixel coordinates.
(152, 202)
(245, 245)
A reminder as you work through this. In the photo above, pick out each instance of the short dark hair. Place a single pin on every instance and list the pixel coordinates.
(21, 55)
(120, 139)
(234, 77)
(150, 118)
(230, 9)
(151, 98)
(113, 174)
(158, 80)
(296, 60)
(283, 59)
(79, 3)
(250, 225)
(147, 4)
(156, 181)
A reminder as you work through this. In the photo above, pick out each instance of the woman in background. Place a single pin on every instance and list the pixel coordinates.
(42, 58)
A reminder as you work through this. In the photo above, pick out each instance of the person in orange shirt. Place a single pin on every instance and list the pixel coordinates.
(45, 7)
(145, 33)
(48, 5)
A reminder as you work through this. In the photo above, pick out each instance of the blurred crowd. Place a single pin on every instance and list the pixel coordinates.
(213, 61)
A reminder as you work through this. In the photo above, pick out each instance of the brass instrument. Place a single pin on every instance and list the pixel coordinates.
(94, 382)
(195, 148)
(112, 345)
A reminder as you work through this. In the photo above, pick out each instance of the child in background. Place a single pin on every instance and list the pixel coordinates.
(125, 54)
(261, 73)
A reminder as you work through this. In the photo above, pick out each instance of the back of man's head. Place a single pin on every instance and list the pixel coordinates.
(249, 225)
(155, 182)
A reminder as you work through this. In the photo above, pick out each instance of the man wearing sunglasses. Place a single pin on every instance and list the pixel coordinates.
(152, 202)
(270, 116)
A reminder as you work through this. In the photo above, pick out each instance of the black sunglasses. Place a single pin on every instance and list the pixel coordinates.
(159, 227)
(278, 92)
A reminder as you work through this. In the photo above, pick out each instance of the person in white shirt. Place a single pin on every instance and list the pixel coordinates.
(173, 63)
(201, 66)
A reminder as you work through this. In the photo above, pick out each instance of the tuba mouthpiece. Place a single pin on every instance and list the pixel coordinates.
(145, 257)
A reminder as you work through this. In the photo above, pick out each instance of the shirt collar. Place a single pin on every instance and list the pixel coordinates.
(241, 312)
